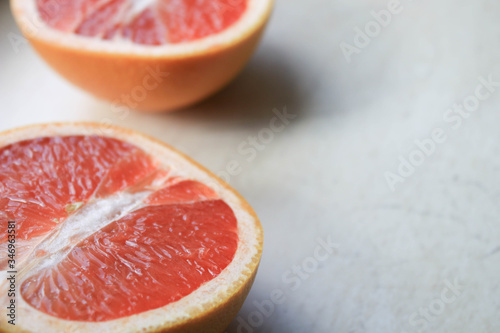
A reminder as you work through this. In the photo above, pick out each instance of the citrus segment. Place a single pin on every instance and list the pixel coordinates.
(149, 258)
(44, 180)
(130, 169)
(152, 257)
(150, 22)
(184, 191)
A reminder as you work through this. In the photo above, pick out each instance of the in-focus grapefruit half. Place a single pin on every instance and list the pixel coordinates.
(119, 233)
(151, 55)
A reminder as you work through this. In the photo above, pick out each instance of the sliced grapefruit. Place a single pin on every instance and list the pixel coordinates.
(119, 233)
(151, 55)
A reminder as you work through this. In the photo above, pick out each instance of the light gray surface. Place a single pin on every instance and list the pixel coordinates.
(324, 174)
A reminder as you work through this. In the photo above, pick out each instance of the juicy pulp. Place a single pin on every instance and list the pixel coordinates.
(146, 22)
(175, 235)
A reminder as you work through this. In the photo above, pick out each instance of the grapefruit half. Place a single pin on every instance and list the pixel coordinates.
(118, 233)
(151, 55)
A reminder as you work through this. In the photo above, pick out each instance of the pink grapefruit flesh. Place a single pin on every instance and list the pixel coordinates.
(146, 22)
(178, 237)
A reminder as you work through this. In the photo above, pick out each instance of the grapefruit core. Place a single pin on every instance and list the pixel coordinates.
(109, 47)
(120, 233)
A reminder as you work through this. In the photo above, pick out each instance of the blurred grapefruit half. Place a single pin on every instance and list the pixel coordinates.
(119, 233)
(151, 55)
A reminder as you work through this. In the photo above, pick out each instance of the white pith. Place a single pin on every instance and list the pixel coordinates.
(93, 216)
(210, 293)
(139, 5)
(33, 26)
